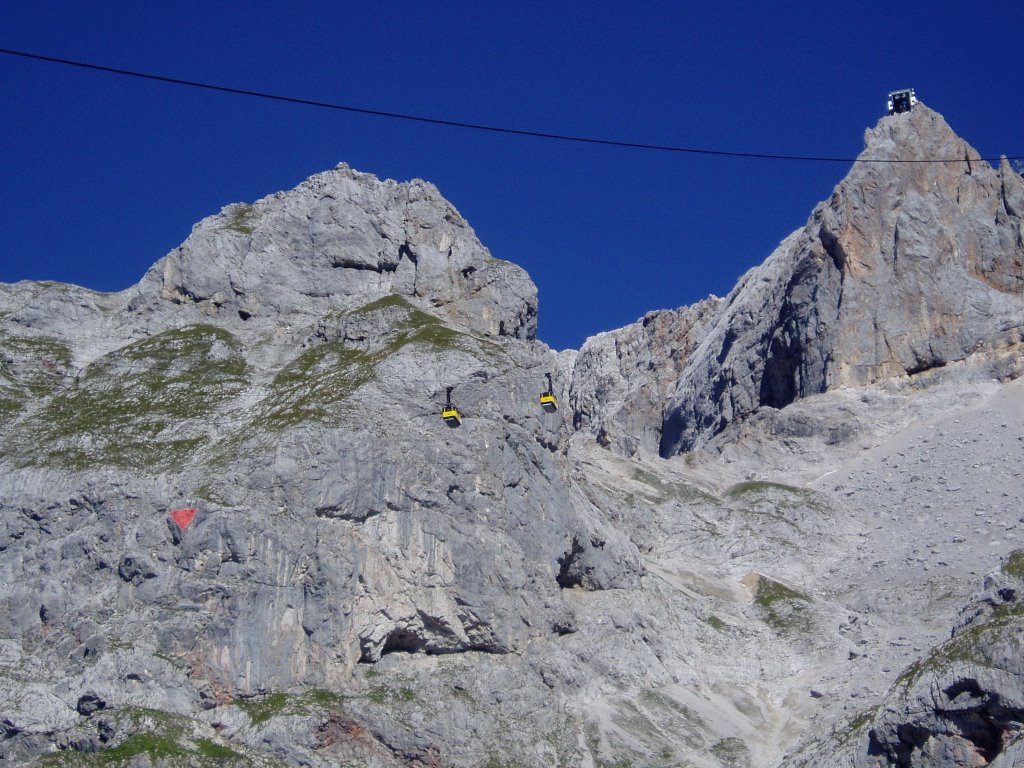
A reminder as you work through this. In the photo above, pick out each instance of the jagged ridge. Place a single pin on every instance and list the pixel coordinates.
(360, 582)
(907, 267)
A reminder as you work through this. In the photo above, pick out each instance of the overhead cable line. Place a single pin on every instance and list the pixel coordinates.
(474, 126)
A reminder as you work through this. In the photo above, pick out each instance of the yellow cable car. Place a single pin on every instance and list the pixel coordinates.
(548, 401)
(451, 415)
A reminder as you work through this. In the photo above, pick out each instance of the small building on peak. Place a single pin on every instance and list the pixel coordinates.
(902, 101)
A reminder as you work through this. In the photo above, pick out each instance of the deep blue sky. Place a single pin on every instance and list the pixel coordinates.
(102, 174)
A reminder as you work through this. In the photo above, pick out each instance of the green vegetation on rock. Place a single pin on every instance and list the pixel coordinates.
(494, 761)
(731, 752)
(758, 486)
(154, 735)
(317, 384)
(770, 592)
(856, 726)
(716, 623)
(783, 497)
(240, 219)
(321, 697)
(969, 646)
(1014, 565)
(384, 302)
(662, 490)
(260, 709)
(319, 378)
(31, 367)
(141, 406)
(211, 749)
(782, 608)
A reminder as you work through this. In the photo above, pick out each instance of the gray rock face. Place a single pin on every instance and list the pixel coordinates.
(235, 530)
(280, 375)
(343, 235)
(622, 379)
(962, 704)
(908, 266)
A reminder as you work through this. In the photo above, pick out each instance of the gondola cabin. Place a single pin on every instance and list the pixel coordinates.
(449, 413)
(548, 401)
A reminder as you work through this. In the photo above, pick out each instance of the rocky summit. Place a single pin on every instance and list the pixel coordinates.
(780, 528)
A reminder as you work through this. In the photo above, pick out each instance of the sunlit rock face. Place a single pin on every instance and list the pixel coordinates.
(234, 528)
(345, 235)
(621, 379)
(908, 266)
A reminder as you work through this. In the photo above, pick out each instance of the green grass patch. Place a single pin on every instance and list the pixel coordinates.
(856, 726)
(967, 647)
(1014, 565)
(31, 368)
(143, 406)
(321, 697)
(215, 751)
(319, 383)
(153, 733)
(385, 302)
(731, 752)
(495, 761)
(262, 708)
(152, 744)
(311, 386)
(419, 327)
(774, 501)
(716, 623)
(155, 746)
(43, 351)
(770, 592)
(782, 608)
(10, 404)
(415, 326)
(384, 695)
(760, 486)
(432, 334)
(240, 219)
(666, 491)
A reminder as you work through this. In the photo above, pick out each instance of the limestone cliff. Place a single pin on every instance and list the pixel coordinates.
(234, 529)
(910, 265)
(281, 374)
(344, 236)
(622, 379)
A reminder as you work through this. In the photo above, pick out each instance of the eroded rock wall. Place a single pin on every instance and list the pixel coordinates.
(341, 235)
(914, 262)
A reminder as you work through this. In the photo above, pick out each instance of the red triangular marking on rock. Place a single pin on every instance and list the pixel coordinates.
(183, 516)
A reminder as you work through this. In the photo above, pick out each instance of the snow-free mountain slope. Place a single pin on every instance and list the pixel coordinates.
(908, 266)
(234, 529)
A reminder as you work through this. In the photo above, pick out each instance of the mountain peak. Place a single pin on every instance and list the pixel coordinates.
(919, 135)
(340, 239)
(913, 263)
